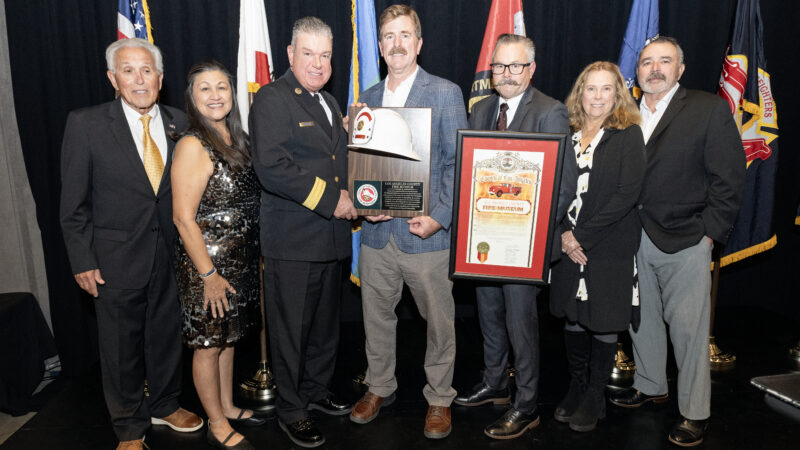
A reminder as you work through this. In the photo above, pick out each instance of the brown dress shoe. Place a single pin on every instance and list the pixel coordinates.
(137, 444)
(181, 420)
(368, 407)
(437, 423)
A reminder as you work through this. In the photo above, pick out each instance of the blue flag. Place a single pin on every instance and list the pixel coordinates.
(364, 73)
(364, 68)
(642, 25)
(745, 85)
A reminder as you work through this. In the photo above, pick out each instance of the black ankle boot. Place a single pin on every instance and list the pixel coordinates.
(593, 405)
(578, 347)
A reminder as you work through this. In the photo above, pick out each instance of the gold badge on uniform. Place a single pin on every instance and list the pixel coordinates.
(298, 91)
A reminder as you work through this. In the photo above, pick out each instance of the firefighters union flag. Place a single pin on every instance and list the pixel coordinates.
(505, 16)
(745, 85)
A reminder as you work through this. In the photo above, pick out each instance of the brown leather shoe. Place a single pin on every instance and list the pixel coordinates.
(181, 420)
(368, 407)
(137, 444)
(437, 423)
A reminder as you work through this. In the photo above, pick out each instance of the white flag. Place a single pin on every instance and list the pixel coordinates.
(255, 55)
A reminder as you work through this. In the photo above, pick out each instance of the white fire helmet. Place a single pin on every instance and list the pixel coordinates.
(383, 130)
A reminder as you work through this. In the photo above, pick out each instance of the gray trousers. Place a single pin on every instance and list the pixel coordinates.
(507, 313)
(675, 291)
(383, 272)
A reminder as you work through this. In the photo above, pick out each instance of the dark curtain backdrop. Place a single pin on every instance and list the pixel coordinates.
(57, 65)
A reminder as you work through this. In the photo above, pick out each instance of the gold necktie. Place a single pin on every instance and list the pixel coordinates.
(153, 164)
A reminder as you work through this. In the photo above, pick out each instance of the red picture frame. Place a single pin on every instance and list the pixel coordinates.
(504, 208)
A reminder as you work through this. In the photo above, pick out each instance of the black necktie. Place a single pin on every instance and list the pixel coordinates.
(502, 121)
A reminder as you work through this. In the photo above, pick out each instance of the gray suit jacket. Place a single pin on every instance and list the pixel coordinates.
(428, 91)
(110, 216)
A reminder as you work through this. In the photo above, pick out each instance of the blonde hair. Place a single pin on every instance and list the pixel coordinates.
(625, 112)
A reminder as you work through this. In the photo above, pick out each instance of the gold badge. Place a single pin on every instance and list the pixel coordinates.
(483, 252)
(298, 91)
(306, 124)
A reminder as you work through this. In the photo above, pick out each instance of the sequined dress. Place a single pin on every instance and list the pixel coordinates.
(228, 218)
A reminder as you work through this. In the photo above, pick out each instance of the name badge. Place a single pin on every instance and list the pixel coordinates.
(306, 124)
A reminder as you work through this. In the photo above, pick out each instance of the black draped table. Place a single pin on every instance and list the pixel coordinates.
(25, 343)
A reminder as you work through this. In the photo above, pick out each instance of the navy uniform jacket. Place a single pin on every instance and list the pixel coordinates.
(301, 162)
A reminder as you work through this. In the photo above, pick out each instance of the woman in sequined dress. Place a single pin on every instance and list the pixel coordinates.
(595, 287)
(215, 208)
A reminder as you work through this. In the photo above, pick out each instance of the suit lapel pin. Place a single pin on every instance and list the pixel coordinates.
(297, 91)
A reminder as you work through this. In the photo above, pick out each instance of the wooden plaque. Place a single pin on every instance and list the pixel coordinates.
(386, 183)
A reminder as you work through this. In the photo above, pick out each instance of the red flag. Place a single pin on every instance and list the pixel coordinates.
(505, 16)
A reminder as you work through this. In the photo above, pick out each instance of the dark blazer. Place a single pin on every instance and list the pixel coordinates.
(695, 173)
(301, 162)
(110, 216)
(608, 230)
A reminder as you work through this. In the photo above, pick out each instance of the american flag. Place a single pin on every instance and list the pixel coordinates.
(133, 20)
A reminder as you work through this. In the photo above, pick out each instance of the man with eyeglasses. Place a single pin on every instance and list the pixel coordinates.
(507, 312)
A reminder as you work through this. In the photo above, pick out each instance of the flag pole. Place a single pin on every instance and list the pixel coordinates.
(260, 388)
(719, 359)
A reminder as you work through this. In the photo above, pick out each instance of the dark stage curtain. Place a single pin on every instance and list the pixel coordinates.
(57, 63)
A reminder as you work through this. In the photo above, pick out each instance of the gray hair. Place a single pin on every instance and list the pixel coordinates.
(111, 52)
(310, 25)
(664, 40)
(508, 38)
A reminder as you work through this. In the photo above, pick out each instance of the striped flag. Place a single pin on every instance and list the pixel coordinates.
(364, 73)
(133, 20)
(255, 66)
(745, 85)
(642, 25)
(505, 16)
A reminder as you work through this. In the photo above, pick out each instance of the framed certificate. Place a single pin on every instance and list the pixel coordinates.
(504, 209)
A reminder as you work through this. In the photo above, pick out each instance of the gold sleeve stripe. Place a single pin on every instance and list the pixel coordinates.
(315, 195)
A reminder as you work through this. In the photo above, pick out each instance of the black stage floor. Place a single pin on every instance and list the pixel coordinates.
(76, 417)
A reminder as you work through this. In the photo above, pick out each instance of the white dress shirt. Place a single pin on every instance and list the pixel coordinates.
(156, 130)
(325, 107)
(397, 99)
(649, 118)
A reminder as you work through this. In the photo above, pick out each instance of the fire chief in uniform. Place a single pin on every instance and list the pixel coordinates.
(300, 157)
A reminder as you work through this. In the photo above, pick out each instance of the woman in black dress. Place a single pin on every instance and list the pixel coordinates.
(595, 288)
(215, 208)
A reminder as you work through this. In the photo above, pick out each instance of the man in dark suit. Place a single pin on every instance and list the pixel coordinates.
(300, 156)
(415, 252)
(690, 197)
(116, 215)
(507, 312)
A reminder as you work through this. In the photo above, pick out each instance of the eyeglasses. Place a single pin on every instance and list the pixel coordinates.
(513, 68)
